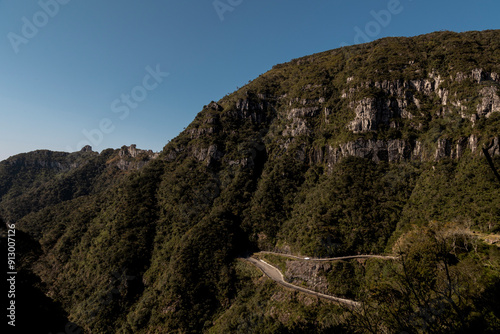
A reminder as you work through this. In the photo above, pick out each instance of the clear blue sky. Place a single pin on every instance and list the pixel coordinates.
(84, 66)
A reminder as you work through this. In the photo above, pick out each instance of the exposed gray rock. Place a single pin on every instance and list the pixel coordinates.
(250, 110)
(397, 150)
(459, 149)
(370, 114)
(86, 148)
(171, 155)
(478, 75)
(376, 150)
(247, 104)
(297, 127)
(209, 155)
(473, 142)
(494, 147)
(443, 95)
(443, 149)
(311, 273)
(133, 152)
(303, 112)
(130, 165)
(214, 106)
(132, 158)
(417, 152)
(490, 102)
(195, 133)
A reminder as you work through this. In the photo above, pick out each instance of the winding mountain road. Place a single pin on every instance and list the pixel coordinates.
(276, 275)
(350, 257)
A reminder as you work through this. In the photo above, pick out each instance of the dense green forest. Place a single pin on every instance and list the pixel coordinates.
(380, 148)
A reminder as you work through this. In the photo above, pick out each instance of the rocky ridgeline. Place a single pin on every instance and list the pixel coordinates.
(132, 158)
(59, 161)
(127, 158)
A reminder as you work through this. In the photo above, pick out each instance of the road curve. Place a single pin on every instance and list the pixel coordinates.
(276, 275)
(350, 257)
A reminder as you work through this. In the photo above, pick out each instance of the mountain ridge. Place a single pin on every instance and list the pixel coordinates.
(369, 149)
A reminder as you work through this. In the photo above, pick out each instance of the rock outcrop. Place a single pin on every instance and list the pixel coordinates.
(208, 155)
(398, 150)
(312, 274)
(132, 158)
(86, 148)
(397, 102)
(398, 95)
(490, 102)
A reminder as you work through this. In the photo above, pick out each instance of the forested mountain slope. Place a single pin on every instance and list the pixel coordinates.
(380, 148)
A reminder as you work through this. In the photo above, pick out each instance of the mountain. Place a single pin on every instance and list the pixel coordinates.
(390, 147)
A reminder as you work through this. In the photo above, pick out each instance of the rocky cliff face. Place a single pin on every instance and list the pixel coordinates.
(398, 150)
(371, 113)
(490, 102)
(312, 274)
(398, 105)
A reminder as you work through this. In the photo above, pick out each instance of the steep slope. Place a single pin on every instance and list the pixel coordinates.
(338, 153)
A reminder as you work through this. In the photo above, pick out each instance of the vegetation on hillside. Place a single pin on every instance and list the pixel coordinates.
(156, 250)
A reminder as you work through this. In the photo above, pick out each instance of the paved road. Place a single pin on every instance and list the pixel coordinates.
(276, 275)
(383, 257)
